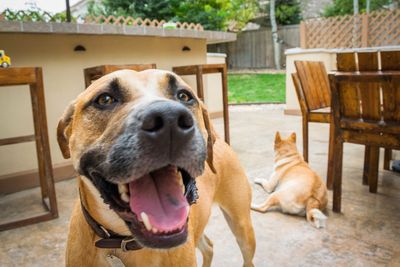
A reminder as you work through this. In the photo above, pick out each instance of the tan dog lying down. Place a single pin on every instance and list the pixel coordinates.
(296, 188)
(140, 142)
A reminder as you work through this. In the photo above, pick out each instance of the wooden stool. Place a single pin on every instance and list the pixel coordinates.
(199, 70)
(33, 77)
(93, 73)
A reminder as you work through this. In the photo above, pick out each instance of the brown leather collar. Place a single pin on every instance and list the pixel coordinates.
(110, 239)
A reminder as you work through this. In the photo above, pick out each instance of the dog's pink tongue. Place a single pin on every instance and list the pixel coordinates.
(160, 196)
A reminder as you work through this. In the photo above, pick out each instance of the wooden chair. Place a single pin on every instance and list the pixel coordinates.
(312, 89)
(365, 111)
(33, 78)
(390, 61)
(369, 61)
(93, 73)
(199, 70)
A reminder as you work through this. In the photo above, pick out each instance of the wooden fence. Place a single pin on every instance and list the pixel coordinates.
(254, 49)
(380, 28)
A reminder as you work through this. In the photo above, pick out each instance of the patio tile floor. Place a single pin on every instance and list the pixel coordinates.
(366, 233)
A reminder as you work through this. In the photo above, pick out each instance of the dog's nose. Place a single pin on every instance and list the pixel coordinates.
(168, 121)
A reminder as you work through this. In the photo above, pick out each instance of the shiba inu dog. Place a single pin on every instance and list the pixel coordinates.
(295, 188)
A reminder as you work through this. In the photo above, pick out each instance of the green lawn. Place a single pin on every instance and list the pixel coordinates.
(256, 88)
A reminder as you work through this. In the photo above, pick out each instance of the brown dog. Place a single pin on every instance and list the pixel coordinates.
(140, 142)
(296, 188)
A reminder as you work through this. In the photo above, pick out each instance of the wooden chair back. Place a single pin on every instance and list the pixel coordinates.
(299, 92)
(367, 101)
(94, 73)
(390, 60)
(361, 61)
(368, 61)
(346, 61)
(314, 84)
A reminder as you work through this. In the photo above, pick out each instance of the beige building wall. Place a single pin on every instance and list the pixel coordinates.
(326, 56)
(63, 79)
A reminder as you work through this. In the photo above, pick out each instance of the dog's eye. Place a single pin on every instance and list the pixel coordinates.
(184, 96)
(105, 100)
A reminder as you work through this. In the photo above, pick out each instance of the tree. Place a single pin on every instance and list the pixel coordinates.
(212, 14)
(346, 7)
(288, 12)
(274, 30)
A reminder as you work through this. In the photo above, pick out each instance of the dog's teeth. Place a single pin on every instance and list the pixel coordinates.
(187, 210)
(125, 197)
(122, 188)
(146, 221)
(154, 230)
(180, 180)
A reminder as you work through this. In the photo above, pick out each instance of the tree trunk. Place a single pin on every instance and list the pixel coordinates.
(355, 7)
(275, 39)
(368, 6)
(394, 5)
(355, 26)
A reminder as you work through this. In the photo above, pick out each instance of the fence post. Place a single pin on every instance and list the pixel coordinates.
(303, 35)
(364, 30)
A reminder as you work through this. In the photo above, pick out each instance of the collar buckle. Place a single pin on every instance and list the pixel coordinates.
(125, 241)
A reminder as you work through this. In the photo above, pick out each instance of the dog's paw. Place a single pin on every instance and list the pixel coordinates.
(268, 187)
(319, 219)
(256, 207)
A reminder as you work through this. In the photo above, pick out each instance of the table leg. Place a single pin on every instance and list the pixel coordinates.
(373, 163)
(329, 179)
(225, 104)
(337, 170)
(367, 156)
(387, 158)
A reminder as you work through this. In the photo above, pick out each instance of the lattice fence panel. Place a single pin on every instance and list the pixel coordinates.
(335, 32)
(380, 28)
(384, 28)
(140, 22)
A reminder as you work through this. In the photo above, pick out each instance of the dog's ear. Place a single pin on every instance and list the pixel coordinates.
(278, 138)
(211, 138)
(293, 137)
(64, 130)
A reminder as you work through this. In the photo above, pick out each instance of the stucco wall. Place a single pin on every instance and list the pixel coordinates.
(63, 79)
(213, 86)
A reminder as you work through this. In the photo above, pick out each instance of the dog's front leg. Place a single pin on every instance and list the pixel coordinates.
(205, 245)
(272, 201)
(270, 184)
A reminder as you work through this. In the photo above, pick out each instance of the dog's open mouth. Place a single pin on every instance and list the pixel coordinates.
(154, 206)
